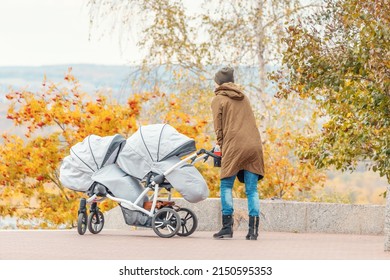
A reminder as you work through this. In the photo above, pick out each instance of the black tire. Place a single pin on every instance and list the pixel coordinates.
(95, 222)
(164, 222)
(82, 223)
(189, 222)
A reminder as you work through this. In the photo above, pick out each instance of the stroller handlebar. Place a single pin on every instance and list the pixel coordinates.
(208, 153)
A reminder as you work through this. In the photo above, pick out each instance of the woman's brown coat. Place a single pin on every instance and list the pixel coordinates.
(237, 133)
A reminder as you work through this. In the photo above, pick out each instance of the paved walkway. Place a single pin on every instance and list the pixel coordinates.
(144, 244)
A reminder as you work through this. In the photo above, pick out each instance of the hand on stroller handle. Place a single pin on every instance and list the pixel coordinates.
(208, 153)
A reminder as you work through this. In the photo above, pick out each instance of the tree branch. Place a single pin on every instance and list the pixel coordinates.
(59, 186)
(63, 129)
(292, 12)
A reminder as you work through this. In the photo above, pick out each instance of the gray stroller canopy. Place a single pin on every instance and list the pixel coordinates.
(156, 148)
(87, 157)
(95, 151)
(152, 144)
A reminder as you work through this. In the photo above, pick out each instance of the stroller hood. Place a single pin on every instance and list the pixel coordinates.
(156, 148)
(151, 144)
(88, 156)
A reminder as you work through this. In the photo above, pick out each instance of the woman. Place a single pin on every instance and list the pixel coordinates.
(242, 153)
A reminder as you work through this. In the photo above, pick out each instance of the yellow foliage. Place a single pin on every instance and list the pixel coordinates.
(286, 176)
(54, 120)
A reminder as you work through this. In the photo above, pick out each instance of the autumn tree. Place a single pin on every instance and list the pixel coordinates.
(342, 62)
(54, 119)
(289, 177)
(340, 59)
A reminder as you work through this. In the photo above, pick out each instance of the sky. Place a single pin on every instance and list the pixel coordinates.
(48, 32)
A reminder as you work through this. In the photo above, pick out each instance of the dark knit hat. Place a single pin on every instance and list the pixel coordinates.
(224, 75)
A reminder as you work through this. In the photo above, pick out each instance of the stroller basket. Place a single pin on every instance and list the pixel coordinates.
(136, 218)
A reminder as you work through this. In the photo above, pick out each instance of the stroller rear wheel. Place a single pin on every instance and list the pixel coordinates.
(82, 223)
(95, 222)
(189, 222)
(165, 222)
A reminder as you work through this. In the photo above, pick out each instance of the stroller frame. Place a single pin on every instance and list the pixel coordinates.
(165, 218)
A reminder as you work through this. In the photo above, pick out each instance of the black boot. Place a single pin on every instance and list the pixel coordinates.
(227, 228)
(253, 231)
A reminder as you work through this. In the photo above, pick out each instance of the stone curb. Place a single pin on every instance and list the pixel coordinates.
(282, 216)
(387, 221)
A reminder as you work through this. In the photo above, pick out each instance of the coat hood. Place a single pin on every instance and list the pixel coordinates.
(230, 90)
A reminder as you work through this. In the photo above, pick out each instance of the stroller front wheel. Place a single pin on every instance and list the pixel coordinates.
(95, 222)
(82, 223)
(165, 223)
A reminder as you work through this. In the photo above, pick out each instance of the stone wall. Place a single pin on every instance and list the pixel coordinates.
(284, 216)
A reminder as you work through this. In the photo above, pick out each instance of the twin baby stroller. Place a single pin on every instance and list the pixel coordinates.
(125, 171)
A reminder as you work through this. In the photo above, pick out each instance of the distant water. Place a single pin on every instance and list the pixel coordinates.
(122, 80)
(7, 223)
(91, 77)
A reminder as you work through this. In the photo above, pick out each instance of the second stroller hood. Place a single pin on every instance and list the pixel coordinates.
(151, 144)
(156, 148)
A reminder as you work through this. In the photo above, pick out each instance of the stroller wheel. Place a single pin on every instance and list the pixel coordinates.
(95, 222)
(164, 222)
(189, 222)
(82, 223)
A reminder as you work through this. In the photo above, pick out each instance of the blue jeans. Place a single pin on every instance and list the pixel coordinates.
(250, 191)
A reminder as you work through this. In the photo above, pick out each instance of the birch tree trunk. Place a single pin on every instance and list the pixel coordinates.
(260, 47)
(387, 221)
